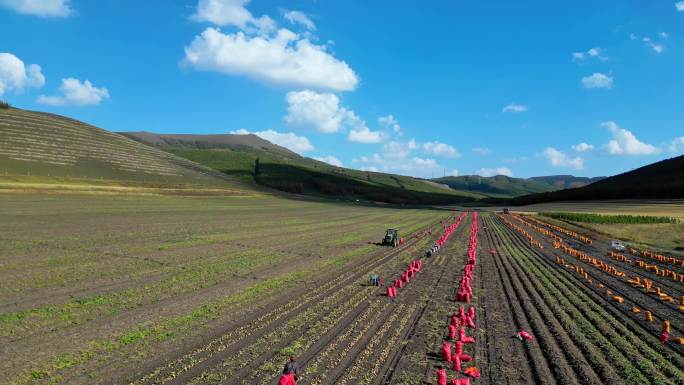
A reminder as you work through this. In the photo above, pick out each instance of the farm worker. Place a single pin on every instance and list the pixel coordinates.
(446, 351)
(374, 280)
(379, 281)
(292, 369)
(441, 376)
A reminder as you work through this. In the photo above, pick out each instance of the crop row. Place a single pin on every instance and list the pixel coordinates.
(615, 354)
(612, 271)
(580, 237)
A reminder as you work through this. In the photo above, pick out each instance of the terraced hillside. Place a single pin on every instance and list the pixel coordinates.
(284, 170)
(39, 144)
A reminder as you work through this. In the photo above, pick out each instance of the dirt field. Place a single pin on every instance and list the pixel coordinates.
(221, 290)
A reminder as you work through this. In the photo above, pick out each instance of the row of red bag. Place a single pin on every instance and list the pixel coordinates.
(465, 291)
(460, 321)
(406, 276)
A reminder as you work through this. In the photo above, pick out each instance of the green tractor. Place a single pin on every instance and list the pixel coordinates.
(391, 238)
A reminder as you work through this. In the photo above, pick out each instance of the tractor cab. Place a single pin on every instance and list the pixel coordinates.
(391, 238)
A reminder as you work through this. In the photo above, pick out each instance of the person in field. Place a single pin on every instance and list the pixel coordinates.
(291, 372)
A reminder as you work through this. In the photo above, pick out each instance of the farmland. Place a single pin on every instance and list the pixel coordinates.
(220, 290)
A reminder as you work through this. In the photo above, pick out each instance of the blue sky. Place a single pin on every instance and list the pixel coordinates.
(420, 88)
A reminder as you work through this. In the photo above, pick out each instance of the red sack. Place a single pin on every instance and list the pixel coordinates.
(523, 335)
(287, 379)
(459, 348)
(446, 351)
(464, 338)
(470, 323)
(390, 292)
(441, 377)
(454, 320)
(452, 332)
(456, 360)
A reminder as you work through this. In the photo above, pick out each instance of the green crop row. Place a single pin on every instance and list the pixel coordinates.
(609, 219)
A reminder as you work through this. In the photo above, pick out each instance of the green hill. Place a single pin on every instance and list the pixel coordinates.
(279, 168)
(559, 182)
(661, 180)
(502, 186)
(42, 145)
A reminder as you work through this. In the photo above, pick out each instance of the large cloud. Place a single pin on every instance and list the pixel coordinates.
(314, 111)
(41, 8)
(560, 159)
(399, 157)
(76, 93)
(15, 76)
(289, 140)
(322, 112)
(597, 80)
(284, 58)
(625, 143)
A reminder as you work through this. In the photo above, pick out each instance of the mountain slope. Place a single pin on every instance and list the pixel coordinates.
(284, 170)
(661, 180)
(495, 186)
(566, 181)
(45, 145)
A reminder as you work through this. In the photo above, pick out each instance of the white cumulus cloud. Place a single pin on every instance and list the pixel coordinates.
(597, 80)
(582, 147)
(390, 121)
(289, 140)
(234, 13)
(625, 143)
(41, 8)
(314, 111)
(16, 76)
(331, 160)
(440, 149)
(76, 93)
(297, 17)
(284, 58)
(677, 146)
(487, 172)
(560, 159)
(679, 6)
(453, 172)
(363, 134)
(513, 107)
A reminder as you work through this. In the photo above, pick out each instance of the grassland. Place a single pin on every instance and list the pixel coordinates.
(92, 280)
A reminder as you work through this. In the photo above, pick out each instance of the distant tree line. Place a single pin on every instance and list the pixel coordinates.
(4, 104)
(609, 219)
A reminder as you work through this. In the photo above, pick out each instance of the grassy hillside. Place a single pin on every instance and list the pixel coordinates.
(560, 182)
(502, 186)
(661, 180)
(499, 186)
(40, 145)
(279, 168)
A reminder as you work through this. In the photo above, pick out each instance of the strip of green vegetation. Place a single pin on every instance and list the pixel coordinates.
(612, 219)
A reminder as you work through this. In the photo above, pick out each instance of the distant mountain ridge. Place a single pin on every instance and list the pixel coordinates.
(660, 180)
(501, 186)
